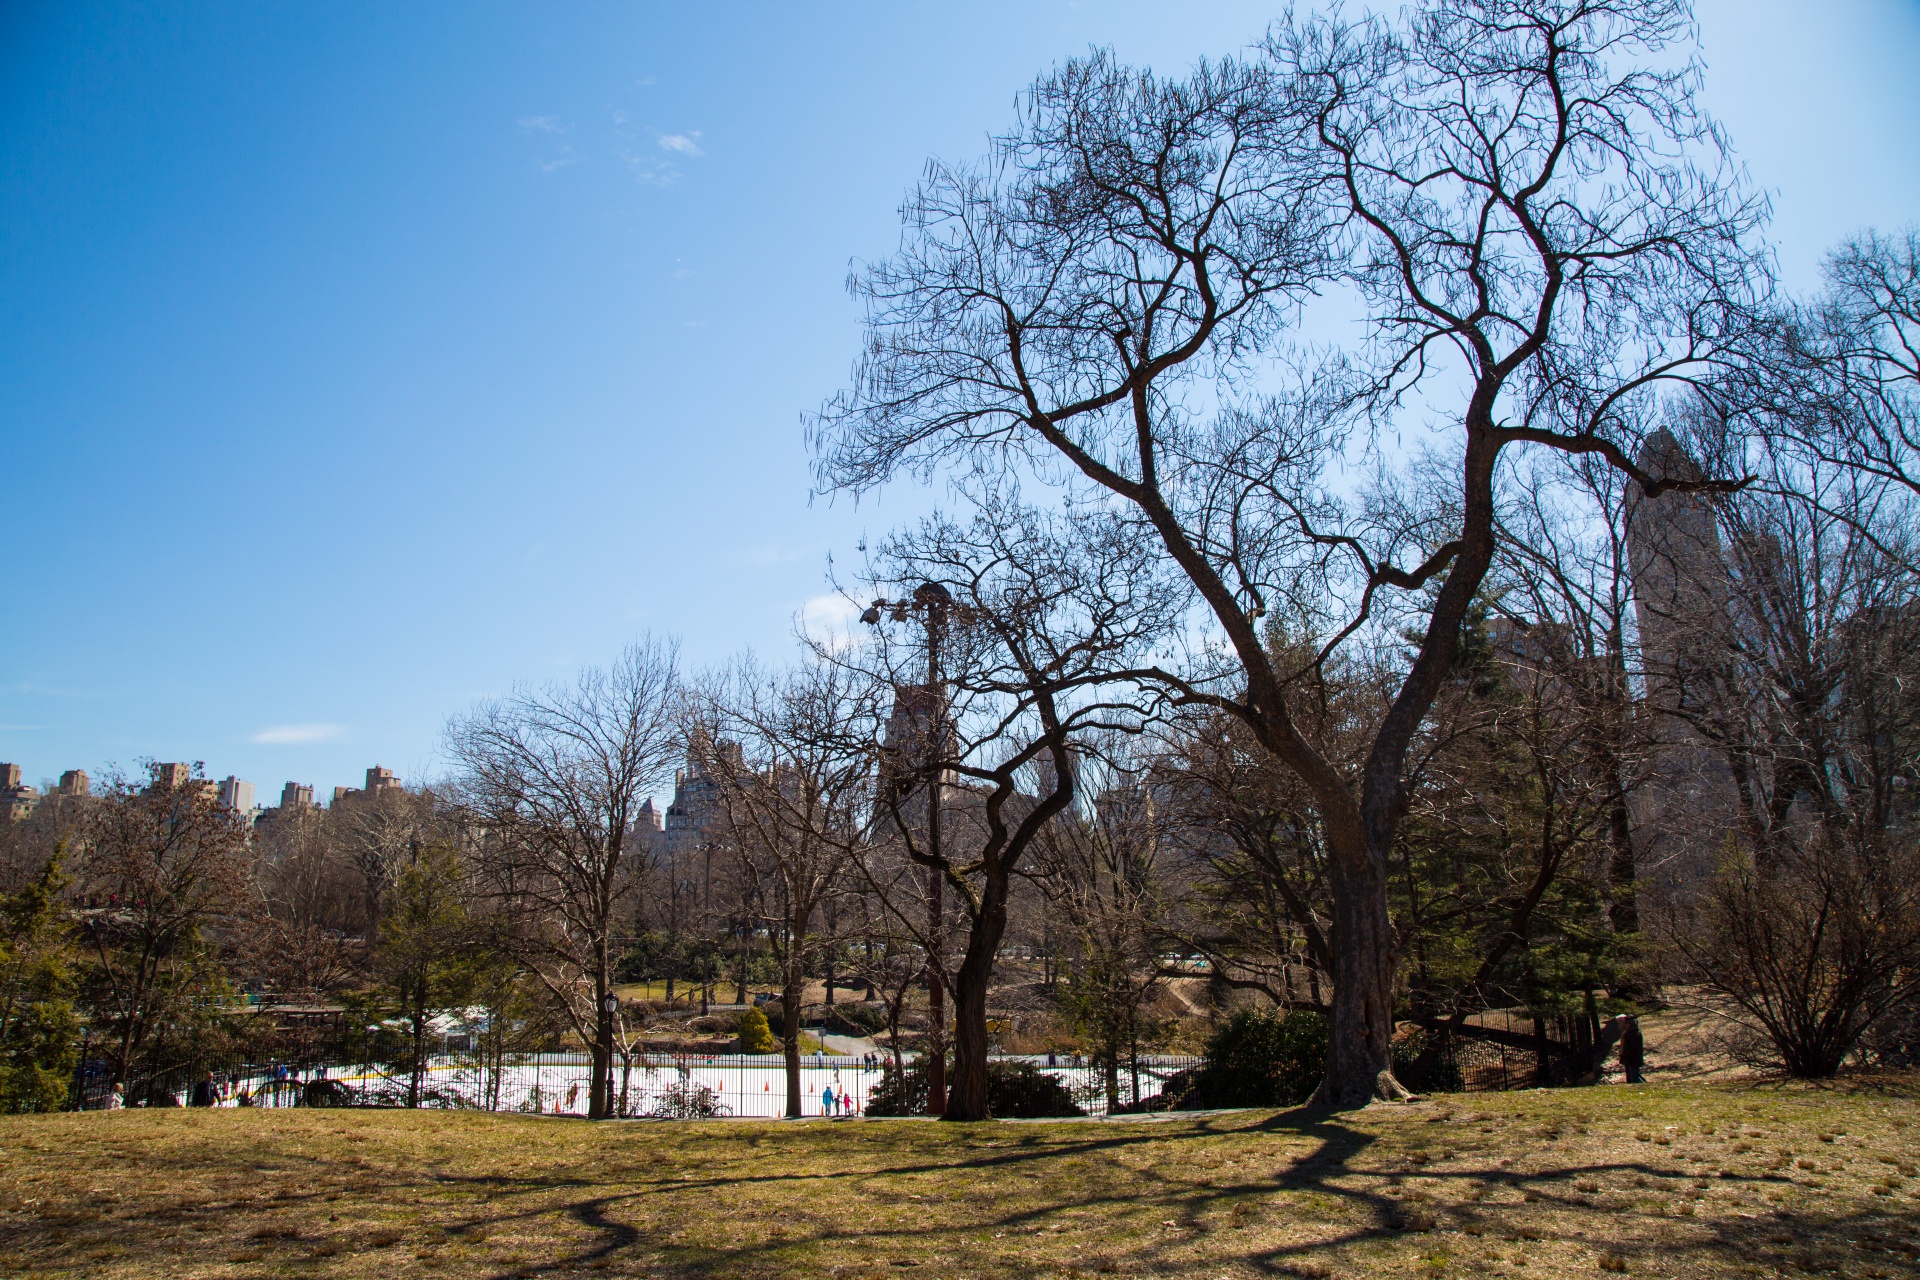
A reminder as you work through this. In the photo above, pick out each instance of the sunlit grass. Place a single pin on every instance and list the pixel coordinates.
(1658, 1181)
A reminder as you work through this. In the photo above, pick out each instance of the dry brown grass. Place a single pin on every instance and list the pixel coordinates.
(1652, 1181)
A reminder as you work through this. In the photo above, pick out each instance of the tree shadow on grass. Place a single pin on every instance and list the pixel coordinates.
(961, 1198)
(1190, 1199)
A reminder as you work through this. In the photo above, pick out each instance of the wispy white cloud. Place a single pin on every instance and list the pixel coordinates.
(296, 734)
(829, 620)
(681, 143)
(650, 169)
(551, 125)
(36, 689)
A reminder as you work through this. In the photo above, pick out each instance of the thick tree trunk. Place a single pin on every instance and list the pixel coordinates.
(1365, 957)
(967, 1091)
(417, 1068)
(599, 1090)
(740, 983)
(791, 992)
(597, 1108)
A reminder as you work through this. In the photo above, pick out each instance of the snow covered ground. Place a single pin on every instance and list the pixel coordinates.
(738, 1085)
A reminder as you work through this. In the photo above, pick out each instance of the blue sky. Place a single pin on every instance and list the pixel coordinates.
(357, 361)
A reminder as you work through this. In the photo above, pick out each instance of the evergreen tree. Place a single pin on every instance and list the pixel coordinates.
(39, 1031)
(755, 1035)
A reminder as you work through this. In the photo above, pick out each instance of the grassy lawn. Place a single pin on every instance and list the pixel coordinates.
(1658, 1181)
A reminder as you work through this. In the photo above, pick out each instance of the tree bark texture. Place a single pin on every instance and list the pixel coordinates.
(967, 1091)
(791, 993)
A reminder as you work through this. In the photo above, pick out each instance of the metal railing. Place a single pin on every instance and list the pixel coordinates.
(666, 1086)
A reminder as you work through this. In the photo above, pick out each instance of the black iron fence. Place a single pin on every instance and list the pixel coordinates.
(667, 1086)
(681, 1085)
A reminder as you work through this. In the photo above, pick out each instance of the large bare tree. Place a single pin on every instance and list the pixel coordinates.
(380, 833)
(162, 863)
(1541, 228)
(554, 779)
(1806, 933)
(1042, 620)
(1852, 359)
(793, 758)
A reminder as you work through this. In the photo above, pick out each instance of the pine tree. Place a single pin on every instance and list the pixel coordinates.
(39, 1032)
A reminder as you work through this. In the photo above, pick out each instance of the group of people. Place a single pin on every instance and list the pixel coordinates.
(840, 1104)
(210, 1090)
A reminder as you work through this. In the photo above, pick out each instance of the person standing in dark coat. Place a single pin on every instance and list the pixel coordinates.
(1633, 1051)
(203, 1091)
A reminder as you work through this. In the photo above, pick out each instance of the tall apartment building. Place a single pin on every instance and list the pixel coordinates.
(1681, 594)
(237, 794)
(179, 777)
(379, 781)
(681, 844)
(693, 809)
(16, 797)
(296, 796)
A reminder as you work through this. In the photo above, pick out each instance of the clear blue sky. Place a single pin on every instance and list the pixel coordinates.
(357, 361)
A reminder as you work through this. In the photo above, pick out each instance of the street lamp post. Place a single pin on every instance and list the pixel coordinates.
(609, 1010)
(934, 603)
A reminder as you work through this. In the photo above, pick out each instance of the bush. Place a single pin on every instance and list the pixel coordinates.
(1015, 1091)
(1021, 1091)
(900, 1094)
(755, 1035)
(1425, 1062)
(1812, 949)
(1260, 1058)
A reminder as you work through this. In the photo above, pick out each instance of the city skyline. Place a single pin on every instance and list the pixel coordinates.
(361, 365)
